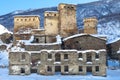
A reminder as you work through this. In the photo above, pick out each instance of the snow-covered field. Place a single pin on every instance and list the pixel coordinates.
(111, 75)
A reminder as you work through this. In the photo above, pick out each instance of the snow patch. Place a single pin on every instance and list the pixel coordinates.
(96, 51)
(4, 30)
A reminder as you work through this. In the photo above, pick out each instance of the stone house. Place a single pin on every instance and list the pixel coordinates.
(84, 42)
(112, 49)
(48, 62)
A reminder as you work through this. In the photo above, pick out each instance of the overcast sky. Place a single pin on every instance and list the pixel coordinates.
(7, 6)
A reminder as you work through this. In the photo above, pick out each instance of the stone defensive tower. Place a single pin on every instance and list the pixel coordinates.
(67, 19)
(23, 24)
(90, 25)
(51, 23)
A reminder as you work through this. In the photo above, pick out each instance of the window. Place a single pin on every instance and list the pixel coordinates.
(54, 14)
(17, 19)
(21, 19)
(77, 42)
(80, 55)
(37, 40)
(23, 56)
(57, 57)
(64, 6)
(49, 68)
(33, 19)
(47, 14)
(49, 56)
(29, 19)
(72, 7)
(80, 69)
(65, 56)
(57, 68)
(97, 68)
(89, 57)
(66, 68)
(25, 19)
(22, 70)
(96, 55)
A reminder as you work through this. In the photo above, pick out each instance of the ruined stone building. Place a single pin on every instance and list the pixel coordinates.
(58, 47)
(47, 62)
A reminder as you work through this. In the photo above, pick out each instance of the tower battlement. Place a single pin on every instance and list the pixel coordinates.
(51, 14)
(66, 6)
(91, 19)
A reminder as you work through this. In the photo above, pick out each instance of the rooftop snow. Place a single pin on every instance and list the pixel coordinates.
(26, 15)
(77, 35)
(115, 40)
(96, 51)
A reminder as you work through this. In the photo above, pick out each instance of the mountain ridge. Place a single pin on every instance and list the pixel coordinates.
(107, 12)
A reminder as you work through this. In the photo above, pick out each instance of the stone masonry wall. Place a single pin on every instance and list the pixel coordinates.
(85, 42)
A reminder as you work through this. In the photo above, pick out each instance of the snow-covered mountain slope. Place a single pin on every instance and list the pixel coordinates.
(3, 30)
(107, 12)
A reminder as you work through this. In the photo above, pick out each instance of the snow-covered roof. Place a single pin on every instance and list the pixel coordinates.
(26, 15)
(41, 43)
(72, 50)
(77, 35)
(96, 51)
(73, 36)
(115, 40)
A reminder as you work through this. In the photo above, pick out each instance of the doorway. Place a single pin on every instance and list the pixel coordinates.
(89, 70)
(57, 68)
(22, 70)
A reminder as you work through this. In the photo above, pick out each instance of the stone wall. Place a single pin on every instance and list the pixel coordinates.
(38, 47)
(47, 62)
(3, 47)
(27, 21)
(85, 42)
(112, 49)
(90, 25)
(19, 63)
(24, 24)
(71, 59)
(51, 23)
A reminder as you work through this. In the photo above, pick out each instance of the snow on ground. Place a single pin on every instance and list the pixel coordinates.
(3, 30)
(111, 75)
(4, 58)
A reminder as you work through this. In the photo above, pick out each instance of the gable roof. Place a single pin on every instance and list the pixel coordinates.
(84, 34)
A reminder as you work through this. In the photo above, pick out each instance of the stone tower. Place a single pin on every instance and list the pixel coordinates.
(90, 25)
(67, 19)
(51, 23)
(23, 24)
